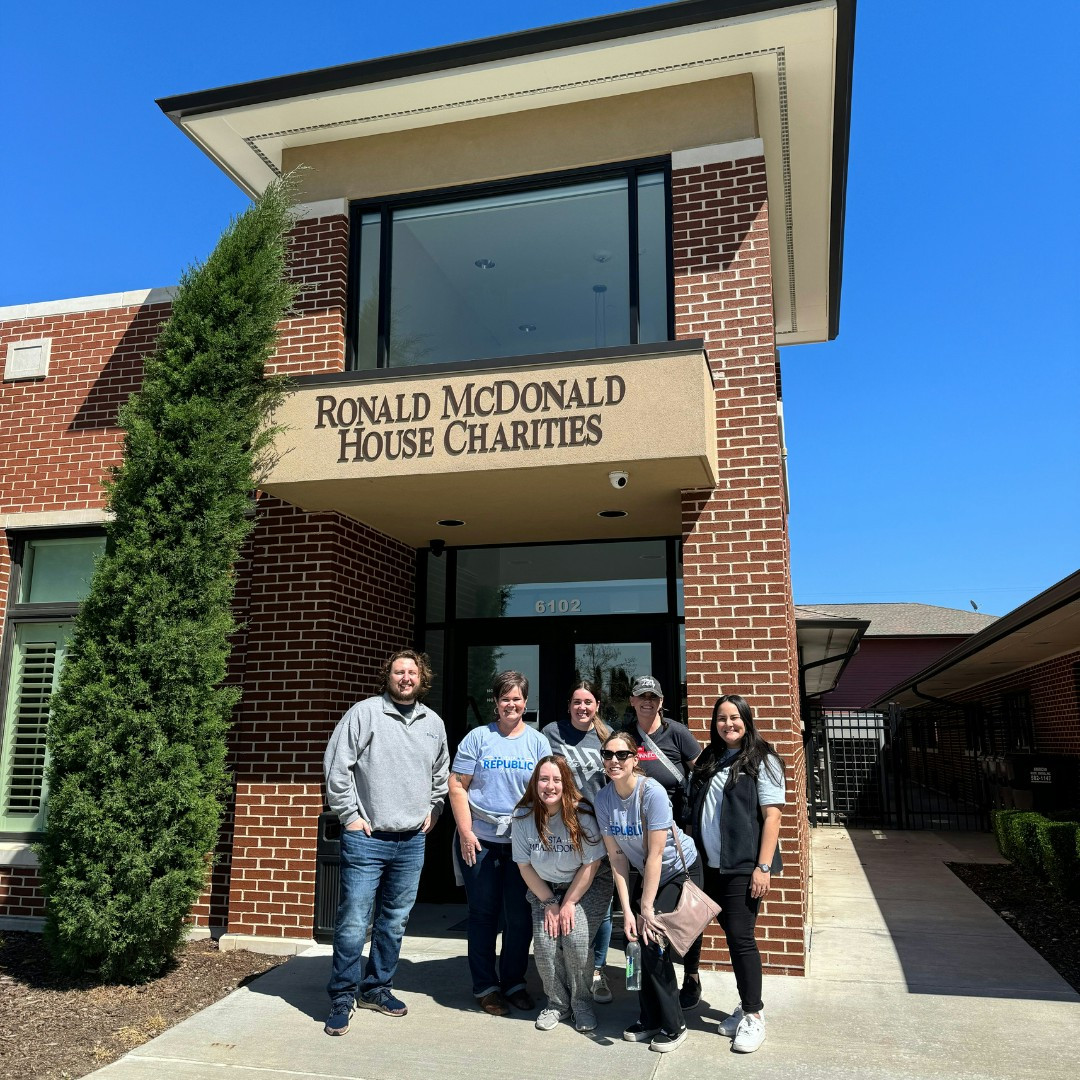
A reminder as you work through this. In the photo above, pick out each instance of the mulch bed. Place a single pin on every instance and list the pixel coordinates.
(1048, 922)
(56, 1028)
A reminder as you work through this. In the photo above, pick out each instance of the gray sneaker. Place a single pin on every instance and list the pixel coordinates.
(585, 1020)
(601, 992)
(730, 1026)
(550, 1019)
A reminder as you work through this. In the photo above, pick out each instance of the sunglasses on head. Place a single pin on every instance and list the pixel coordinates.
(622, 755)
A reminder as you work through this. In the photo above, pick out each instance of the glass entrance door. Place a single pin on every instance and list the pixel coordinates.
(554, 657)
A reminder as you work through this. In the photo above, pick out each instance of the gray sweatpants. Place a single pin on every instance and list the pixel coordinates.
(565, 963)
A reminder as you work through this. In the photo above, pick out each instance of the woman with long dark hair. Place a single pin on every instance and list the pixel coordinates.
(558, 850)
(737, 792)
(578, 737)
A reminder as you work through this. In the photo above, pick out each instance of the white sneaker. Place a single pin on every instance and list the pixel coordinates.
(751, 1034)
(730, 1026)
(601, 992)
(549, 1019)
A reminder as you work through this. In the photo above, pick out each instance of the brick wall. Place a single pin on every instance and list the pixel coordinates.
(313, 340)
(66, 423)
(328, 599)
(739, 617)
(1055, 700)
(19, 892)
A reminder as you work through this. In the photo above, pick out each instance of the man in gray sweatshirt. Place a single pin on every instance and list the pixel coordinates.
(386, 769)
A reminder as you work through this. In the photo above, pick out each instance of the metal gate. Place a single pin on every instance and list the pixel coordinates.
(895, 770)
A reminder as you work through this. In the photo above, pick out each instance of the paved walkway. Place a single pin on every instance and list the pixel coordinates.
(911, 977)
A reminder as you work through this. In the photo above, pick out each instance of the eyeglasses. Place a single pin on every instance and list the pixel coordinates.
(622, 755)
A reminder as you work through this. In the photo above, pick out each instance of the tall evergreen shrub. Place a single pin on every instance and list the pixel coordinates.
(137, 734)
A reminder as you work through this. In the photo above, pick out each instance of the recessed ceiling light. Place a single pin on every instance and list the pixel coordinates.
(602, 256)
(527, 328)
(449, 523)
(611, 513)
(485, 264)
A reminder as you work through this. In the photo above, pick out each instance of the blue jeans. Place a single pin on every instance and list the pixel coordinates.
(496, 890)
(383, 867)
(602, 940)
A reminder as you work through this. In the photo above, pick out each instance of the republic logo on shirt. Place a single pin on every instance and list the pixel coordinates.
(508, 763)
(615, 829)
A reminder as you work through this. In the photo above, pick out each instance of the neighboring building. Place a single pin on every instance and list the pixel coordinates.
(900, 640)
(1002, 709)
(536, 421)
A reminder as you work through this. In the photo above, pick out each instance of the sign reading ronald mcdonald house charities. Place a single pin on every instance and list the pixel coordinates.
(500, 416)
(379, 428)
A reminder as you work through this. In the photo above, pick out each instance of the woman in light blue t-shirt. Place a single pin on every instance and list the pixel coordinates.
(489, 775)
(635, 819)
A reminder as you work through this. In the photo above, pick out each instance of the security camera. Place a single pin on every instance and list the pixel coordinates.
(437, 547)
(618, 479)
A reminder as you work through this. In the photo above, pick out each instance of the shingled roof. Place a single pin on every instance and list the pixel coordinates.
(904, 620)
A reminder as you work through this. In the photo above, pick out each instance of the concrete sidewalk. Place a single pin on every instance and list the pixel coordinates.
(912, 976)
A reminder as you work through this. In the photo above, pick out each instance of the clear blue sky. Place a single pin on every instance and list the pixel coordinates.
(933, 447)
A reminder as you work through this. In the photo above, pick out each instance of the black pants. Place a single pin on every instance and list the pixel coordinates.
(691, 959)
(738, 917)
(658, 999)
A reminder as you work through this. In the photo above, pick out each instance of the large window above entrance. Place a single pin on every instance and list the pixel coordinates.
(512, 270)
(562, 580)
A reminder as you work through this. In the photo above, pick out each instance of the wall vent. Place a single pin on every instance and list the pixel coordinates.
(27, 359)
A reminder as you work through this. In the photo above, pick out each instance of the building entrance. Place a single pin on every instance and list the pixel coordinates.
(610, 653)
(559, 613)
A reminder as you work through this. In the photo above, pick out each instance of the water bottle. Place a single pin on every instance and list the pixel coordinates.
(633, 965)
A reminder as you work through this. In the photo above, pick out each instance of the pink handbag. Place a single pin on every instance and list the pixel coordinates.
(695, 909)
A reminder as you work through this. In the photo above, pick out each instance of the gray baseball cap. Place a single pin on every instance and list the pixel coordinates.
(646, 684)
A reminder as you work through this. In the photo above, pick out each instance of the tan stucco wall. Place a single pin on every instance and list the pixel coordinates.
(620, 128)
(652, 416)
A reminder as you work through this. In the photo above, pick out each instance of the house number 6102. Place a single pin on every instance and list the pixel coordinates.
(557, 607)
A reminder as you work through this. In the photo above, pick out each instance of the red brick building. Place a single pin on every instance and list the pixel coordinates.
(537, 414)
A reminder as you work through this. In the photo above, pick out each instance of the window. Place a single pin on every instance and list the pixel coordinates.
(52, 576)
(1016, 714)
(512, 270)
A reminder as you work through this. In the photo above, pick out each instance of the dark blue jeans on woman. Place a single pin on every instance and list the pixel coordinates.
(386, 867)
(496, 892)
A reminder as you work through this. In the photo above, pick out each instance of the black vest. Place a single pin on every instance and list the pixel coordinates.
(741, 822)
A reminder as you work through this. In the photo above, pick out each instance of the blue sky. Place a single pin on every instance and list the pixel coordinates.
(933, 446)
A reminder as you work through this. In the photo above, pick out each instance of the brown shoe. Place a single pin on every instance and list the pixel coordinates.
(521, 999)
(495, 1004)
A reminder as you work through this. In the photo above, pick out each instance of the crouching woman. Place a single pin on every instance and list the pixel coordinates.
(558, 849)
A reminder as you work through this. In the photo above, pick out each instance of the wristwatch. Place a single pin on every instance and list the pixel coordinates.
(764, 867)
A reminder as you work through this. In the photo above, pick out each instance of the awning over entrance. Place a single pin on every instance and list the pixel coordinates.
(826, 644)
(583, 446)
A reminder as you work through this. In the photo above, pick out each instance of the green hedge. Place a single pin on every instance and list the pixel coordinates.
(1048, 845)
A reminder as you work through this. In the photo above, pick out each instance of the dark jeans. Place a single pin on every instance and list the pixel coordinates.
(658, 999)
(495, 888)
(379, 872)
(738, 916)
